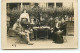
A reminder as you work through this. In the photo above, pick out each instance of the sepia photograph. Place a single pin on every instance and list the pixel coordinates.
(38, 24)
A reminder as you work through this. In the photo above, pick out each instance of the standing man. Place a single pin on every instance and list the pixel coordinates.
(8, 23)
(63, 26)
(37, 11)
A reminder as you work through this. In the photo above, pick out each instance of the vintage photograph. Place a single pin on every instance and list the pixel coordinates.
(41, 25)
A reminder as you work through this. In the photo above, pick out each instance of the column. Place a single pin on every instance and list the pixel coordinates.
(46, 5)
(8, 6)
(21, 6)
(18, 6)
(54, 5)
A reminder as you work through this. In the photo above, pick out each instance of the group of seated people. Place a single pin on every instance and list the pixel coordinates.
(57, 32)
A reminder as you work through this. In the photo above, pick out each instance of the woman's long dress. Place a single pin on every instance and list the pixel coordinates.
(58, 35)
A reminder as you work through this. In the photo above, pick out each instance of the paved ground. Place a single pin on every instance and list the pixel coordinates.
(68, 42)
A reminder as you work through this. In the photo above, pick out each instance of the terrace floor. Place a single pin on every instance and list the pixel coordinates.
(38, 44)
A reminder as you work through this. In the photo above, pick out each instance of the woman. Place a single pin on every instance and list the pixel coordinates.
(58, 38)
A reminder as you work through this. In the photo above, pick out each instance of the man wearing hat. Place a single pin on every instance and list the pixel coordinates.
(18, 29)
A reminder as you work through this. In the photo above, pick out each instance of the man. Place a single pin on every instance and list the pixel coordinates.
(24, 15)
(63, 26)
(36, 10)
(18, 29)
(8, 23)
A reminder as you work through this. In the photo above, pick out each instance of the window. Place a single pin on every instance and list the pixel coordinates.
(13, 5)
(51, 5)
(26, 6)
(26, 3)
(59, 4)
(36, 4)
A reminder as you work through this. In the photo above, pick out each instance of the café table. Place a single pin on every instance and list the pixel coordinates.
(41, 32)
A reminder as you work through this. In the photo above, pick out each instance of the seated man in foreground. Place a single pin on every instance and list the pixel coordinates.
(18, 29)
